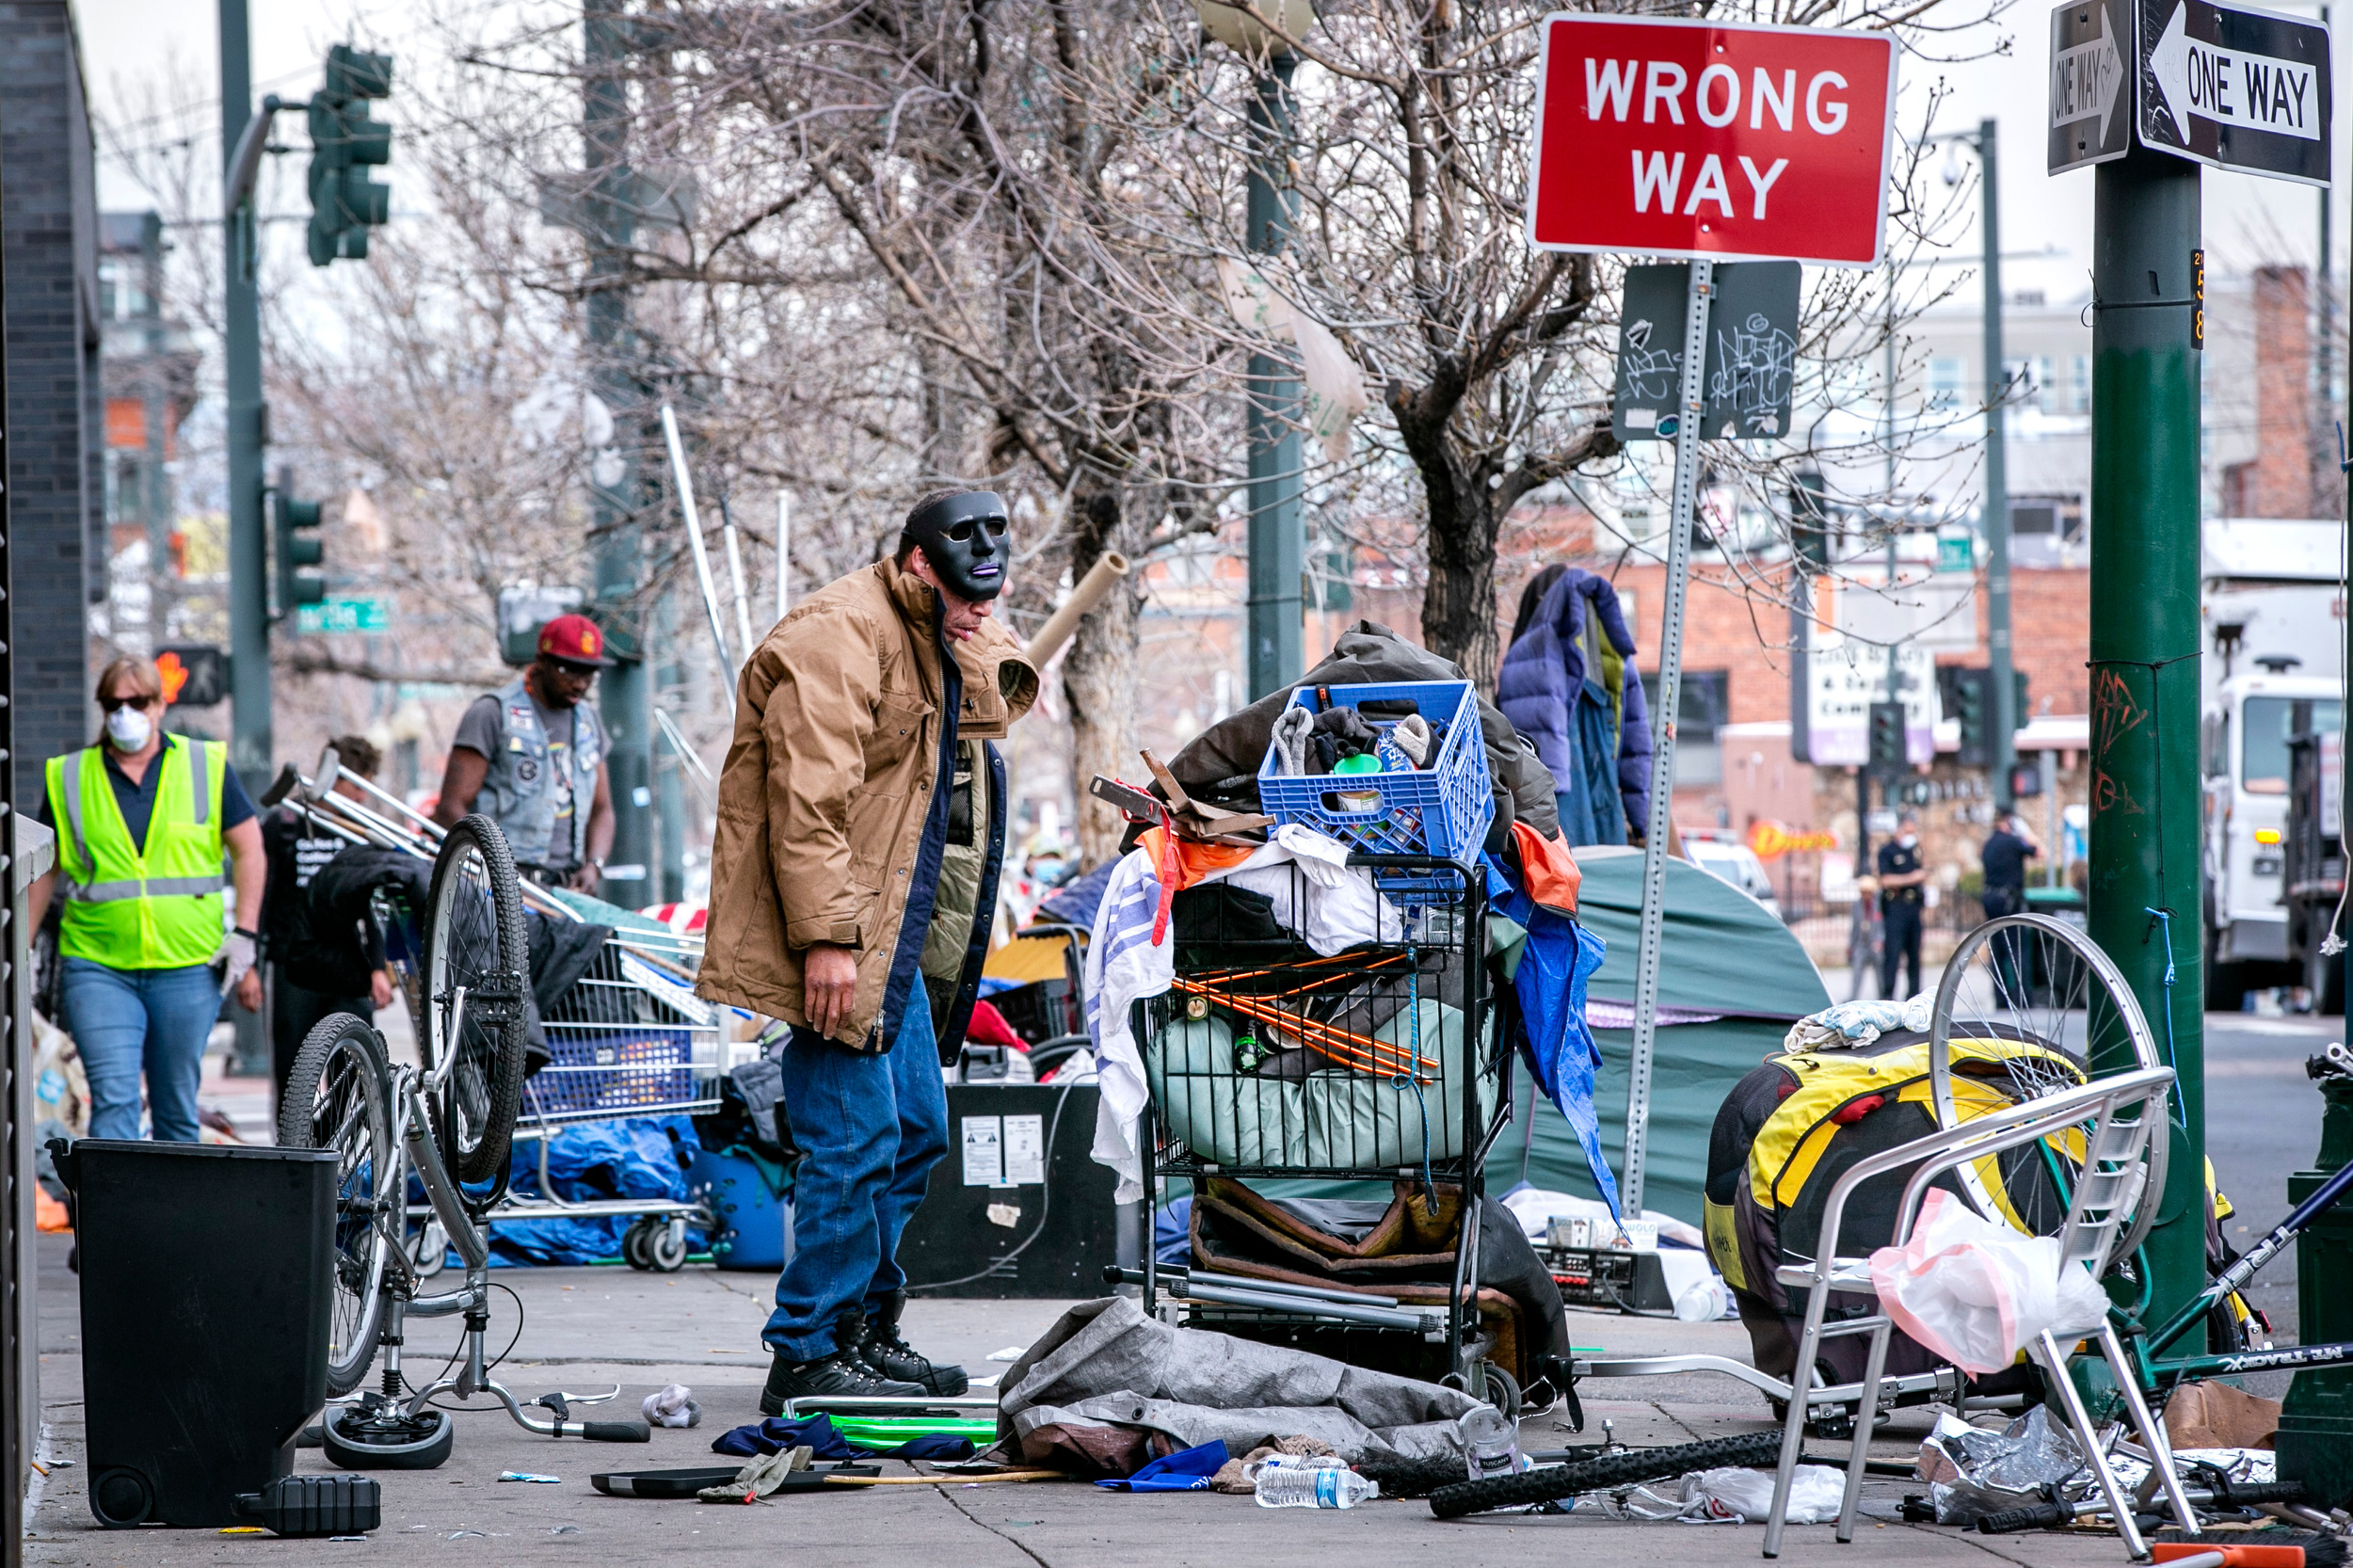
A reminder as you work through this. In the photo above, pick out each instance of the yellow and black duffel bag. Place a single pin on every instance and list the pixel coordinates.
(1791, 1128)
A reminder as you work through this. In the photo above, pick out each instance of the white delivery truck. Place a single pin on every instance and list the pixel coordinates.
(2272, 614)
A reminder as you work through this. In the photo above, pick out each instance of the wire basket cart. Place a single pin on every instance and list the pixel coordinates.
(1381, 1061)
(628, 1038)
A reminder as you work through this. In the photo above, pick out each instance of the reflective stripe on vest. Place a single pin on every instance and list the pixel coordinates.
(133, 906)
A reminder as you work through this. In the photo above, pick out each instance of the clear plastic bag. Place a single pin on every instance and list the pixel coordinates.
(1976, 1292)
(1737, 1497)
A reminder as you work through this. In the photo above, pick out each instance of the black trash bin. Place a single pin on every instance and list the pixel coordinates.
(206, 1275)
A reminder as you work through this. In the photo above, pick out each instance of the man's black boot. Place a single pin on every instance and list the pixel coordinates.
(842, 1373)
(893, 1357)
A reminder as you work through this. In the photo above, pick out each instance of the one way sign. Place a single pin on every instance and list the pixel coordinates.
(2090, 95)
(2236, 87)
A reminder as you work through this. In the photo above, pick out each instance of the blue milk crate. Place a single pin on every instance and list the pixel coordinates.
(1441, 811)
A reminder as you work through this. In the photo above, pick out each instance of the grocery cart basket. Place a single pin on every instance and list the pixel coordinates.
(1379, 1062)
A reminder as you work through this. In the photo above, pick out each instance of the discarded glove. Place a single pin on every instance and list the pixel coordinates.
(1412, 737)
(759, 1477)
(1352, 735)
(674, 1406)
(1292, 727)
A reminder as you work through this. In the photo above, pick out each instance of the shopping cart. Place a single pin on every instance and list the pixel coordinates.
(627, 1038)
(1381, 1063)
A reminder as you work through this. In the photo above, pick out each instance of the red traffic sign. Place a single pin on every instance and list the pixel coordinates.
(1697, 139)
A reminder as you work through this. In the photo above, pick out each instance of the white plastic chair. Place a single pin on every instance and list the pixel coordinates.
(2122, 1117)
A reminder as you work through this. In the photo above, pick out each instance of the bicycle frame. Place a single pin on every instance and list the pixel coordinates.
(412, 1134)
(2147, 1346)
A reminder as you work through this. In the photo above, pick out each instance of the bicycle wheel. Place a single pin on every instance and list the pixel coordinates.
(2037, 981)
(476, 981)
(336, 1099)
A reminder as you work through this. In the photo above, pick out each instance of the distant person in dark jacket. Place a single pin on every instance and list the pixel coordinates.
(2004, 857)
(315, 969)
(1901, 879)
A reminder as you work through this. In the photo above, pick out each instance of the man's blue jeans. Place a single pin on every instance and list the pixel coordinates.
(875, 1123)
(123, 1020)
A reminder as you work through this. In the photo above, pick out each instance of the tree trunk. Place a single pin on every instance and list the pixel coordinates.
(1458, 606)
(1099, 680)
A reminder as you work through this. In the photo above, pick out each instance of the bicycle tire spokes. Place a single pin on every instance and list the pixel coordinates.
(2026, 985)
(477, 996)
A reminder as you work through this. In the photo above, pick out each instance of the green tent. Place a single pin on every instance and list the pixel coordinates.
(1724, 955)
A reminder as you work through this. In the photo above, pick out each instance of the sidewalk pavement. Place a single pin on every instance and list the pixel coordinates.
(586, 1329)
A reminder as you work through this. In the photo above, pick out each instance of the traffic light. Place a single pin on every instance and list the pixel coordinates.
(1887, 737)
(1973, 705)
(294, 528)
(1809, 520)
(346, 144)
(2019, 712)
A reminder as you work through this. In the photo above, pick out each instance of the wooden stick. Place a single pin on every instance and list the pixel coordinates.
(948, 1480)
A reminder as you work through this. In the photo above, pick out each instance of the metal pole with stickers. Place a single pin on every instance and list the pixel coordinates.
(1737, 152)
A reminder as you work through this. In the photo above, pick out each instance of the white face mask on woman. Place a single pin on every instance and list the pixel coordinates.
(129, 727)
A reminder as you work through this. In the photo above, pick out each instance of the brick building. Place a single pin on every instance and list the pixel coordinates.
(49, 231)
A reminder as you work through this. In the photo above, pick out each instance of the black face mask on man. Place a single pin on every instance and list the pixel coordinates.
(965, 537)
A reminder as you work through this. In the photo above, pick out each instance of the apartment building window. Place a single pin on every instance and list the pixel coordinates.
(1947, 375)
(2079, 384)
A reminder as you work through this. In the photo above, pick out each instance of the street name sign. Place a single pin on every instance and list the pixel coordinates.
(2236, 87)
(2091, 116)
(1678, 137)
(365, 613)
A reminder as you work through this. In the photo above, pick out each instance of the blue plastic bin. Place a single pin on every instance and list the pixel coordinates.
(1441, 811)
(753, 1229)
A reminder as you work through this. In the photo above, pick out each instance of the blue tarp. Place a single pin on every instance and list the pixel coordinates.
(636, 1157)
(1549, 984)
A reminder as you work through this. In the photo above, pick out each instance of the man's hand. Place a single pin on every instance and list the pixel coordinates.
(585, 879)
(380, 989)
(249, 989)
(828, 987)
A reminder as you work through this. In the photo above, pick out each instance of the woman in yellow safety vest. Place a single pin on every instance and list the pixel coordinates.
(142, 819)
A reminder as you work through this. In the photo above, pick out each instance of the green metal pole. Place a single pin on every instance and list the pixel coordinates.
(2003, 701)
(1277, 545)
(251, 749)
(241, 354)
(624, 693)
(2145, 799)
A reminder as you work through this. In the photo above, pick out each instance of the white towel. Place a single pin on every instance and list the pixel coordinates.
(1122, 966)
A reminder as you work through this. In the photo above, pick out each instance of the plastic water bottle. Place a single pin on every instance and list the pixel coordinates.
(1702, 1302)
(1325, 1484)
(1491, 1443)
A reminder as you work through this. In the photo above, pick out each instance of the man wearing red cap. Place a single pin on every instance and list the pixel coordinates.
(540, 748)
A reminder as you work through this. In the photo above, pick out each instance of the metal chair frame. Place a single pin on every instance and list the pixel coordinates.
(2103, 1218)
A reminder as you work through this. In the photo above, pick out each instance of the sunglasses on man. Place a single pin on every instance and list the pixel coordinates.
(109, 704)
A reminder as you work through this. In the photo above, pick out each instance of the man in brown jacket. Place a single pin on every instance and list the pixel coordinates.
(835, 807)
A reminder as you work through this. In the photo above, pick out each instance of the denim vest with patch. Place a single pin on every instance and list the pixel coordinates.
(520, 783)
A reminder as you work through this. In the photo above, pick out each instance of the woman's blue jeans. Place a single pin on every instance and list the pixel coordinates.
(874, 1123)
(126, 1021)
